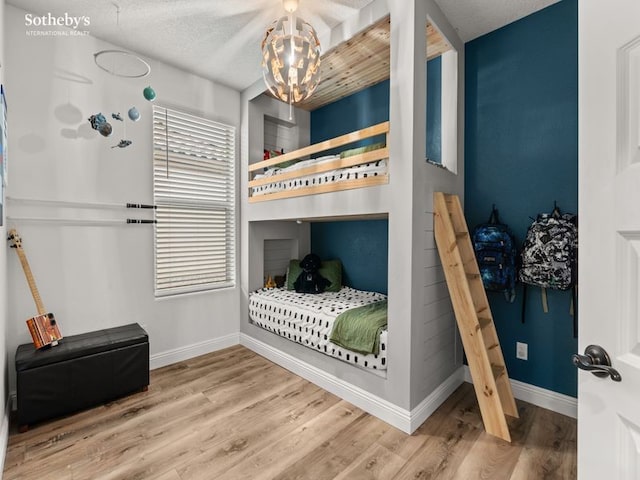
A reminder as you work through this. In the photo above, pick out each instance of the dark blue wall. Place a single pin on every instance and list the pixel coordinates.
(521, 153)
(362, 109)
(371, 106)
(363, 247)
(434, 110)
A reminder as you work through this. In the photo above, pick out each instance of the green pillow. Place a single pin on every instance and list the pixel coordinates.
(286, 164)
(293, 272)
(332, 271)
(359, 150)
(329, 269)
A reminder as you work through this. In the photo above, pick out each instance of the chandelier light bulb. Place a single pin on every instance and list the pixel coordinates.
(290, 6)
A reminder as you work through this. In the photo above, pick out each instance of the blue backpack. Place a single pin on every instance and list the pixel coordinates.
(495, 250)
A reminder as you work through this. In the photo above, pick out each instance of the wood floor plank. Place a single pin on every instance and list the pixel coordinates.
(245, 435)
(376, 463)
(205, 431)
(235, 415)
(337, 453)
(406, 445)
(549, 448)
(170, 475)
(278, 455)
(447, 441)
(490, 457)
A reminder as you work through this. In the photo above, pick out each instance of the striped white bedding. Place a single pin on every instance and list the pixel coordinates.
(308, 319)
(379, 167)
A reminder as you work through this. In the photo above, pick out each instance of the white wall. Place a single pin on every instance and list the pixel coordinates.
(4, 423)
(94, 277)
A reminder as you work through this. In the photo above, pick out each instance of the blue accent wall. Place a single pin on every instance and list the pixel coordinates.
(361, 245)
(434, 110)
(521, 147)
(359, 110)
(371, 106)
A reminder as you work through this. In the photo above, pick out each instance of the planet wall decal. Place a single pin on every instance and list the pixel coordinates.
(134, 114)
(149, 93)
(105, 129)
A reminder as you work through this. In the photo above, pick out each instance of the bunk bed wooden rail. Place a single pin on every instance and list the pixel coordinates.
(351, 161)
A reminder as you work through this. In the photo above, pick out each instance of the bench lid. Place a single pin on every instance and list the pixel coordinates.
(75, 346)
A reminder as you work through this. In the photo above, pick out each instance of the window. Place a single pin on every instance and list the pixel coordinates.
(194, 194)
(442, 100)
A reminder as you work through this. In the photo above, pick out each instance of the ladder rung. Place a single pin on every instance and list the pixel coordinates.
(484, 321)
(461, 235)
(497, 370)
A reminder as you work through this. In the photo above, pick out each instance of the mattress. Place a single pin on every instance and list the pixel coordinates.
(365, 170)
(308, 319)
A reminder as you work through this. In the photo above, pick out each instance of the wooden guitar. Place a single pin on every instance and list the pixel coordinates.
(43, 327)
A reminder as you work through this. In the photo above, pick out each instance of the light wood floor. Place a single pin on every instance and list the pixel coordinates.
(234, 415)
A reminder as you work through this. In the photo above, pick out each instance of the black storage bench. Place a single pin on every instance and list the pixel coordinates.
(80, 372)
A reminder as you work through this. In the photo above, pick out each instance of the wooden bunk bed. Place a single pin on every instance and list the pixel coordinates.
(282, 176)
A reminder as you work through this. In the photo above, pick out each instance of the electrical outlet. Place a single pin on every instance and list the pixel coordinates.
(522, 351)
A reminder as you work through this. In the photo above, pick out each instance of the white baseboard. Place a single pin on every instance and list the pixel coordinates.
(541, 397)
(407, 421)
(163, 359)
(430, 404)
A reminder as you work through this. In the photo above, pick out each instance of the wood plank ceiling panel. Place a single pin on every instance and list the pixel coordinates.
(353, 65)
(362, 61)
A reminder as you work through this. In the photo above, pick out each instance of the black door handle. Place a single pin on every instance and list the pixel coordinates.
(596, 360)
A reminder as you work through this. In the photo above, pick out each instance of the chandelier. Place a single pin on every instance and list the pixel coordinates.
(291, 57)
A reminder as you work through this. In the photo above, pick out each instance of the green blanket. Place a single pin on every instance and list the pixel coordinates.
(359, 329)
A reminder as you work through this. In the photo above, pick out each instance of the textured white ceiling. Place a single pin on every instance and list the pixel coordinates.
(473, 18)
(220, 39)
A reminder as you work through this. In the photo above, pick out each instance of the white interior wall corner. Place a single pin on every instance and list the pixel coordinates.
(404, 97)
(4, 315)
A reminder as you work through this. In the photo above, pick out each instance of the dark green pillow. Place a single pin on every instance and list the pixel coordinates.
(293, 272)
(332, 271)
(286, 164)
(329, 269)
(357, 151)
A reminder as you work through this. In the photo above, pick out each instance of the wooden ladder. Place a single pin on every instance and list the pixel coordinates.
(471, 307)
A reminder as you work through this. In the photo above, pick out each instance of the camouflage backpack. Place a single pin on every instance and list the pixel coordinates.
(550, 253)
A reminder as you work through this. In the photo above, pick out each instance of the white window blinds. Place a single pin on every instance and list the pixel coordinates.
(193, 188)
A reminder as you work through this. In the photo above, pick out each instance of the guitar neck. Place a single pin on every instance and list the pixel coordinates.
(31, 281)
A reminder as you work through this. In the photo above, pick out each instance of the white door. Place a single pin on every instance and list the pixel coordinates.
(609, 248)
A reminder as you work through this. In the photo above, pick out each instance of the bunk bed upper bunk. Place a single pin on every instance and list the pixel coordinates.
(293, 175)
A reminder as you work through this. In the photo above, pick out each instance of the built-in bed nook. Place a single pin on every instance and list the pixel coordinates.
(349, 175)
(347, 321)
